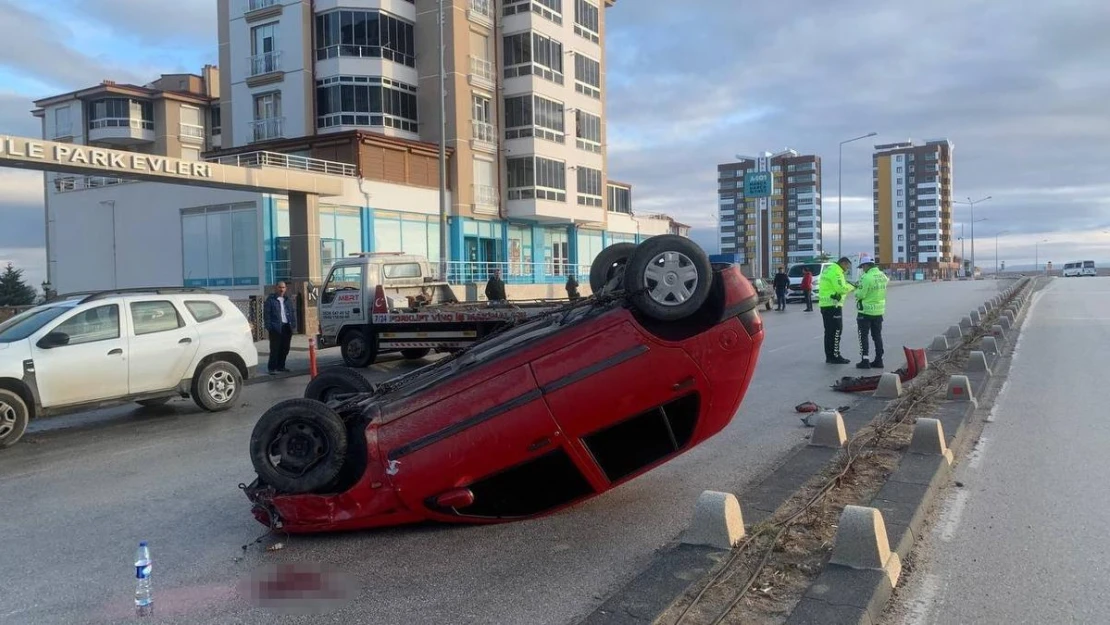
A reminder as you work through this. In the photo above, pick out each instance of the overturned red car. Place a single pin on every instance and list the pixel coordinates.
(540, 416)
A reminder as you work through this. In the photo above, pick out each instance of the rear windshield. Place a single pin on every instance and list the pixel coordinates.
(797, 270)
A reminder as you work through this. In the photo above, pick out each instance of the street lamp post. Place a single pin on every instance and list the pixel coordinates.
(996, 252)
(1037, 255)
(839, 194)
(972, 204)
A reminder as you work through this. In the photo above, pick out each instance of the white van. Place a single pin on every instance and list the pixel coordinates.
(794, 293)
(1089, 269)
(1074, 270)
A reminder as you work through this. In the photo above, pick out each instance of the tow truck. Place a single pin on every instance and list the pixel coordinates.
(380, 302)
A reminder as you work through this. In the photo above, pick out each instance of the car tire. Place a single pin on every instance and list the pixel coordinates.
(217, 386)
(298, 446)
(336, 381)
(359, 348)
(767, 305)
(152, 403)
(14, 416)
(607, 263)
(415, 353)
(669, 276)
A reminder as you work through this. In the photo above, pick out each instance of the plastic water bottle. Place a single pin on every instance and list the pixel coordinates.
(144, 601)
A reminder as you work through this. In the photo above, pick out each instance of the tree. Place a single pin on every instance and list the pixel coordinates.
(13, 290)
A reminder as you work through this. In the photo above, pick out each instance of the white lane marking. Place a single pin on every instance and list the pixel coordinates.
(924, 599)
(951, 521)
(976, 455)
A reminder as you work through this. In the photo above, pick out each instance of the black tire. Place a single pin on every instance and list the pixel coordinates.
(298, 446)
(608, 263)
(14, 416)
(336, 381)
(359, 348)
(217, 386)
(415, 353)
(658, 296)
(152, 403)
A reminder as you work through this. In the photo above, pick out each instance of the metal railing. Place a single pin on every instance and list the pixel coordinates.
(65, 184)
(483, 8)
(266, 129)
(483, 131)
(191, 130)
(257, 5)
(459, 272)
(485, 197)
(134, 123)
(265, 63)
(286, 161)
(481, 69)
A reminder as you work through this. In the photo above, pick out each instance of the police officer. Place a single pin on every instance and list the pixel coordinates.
(871, 306)
(833, 288)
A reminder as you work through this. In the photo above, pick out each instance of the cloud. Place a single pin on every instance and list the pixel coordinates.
(191, 22)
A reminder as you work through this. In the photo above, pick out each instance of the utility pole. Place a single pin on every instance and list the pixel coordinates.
(443, 251)
(839, 194)
(972, 204)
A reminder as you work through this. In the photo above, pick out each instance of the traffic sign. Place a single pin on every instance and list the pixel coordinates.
(758, 184)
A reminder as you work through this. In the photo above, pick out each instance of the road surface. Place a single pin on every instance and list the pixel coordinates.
(78, 499)
(1025, 539)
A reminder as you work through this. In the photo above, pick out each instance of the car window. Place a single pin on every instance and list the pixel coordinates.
(28, 322)
(402, 270)
(203, 311)
(92, 325)
(156, 316)
(347, 278)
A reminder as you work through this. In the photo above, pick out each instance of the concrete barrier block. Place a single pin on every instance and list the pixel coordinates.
(989, 306)
(829, 430)
(940, 343)
(1004, 321)
(861, 543)
(959, 388)
(988, 345)
(982, 310)
(717, 522)
(998, 332)
(976, 318)
(890, 386)
(977, 361)
(928, 439)
(965, 323)
(954, 332)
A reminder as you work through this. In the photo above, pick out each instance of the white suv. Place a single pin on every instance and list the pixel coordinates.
(143, 345)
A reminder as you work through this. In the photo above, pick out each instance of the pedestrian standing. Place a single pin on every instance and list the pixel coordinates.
(495, 287)
(871, 306)
(572, 288)
(280, 317)
(781, 282)
(807, 288)
(830, 299)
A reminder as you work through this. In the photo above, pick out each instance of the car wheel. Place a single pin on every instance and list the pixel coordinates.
(13, 418)
(157, 401)
(608, 264)
(767, 305)
(669, 276)
(415, 354)
(217, 386)
(298, 446)
(359, 349)
(336, 381)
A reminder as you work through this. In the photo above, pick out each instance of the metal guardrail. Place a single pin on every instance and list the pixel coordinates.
(287, 161)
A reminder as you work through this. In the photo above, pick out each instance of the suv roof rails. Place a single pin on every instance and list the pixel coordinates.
(90, 296)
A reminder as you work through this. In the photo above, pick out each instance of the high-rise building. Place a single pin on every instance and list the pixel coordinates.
(780, 230)
(912, 185)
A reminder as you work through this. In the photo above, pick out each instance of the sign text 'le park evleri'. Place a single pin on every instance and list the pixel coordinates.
(80, 155)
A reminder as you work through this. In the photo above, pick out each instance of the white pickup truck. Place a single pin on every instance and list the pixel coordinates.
(374, 303)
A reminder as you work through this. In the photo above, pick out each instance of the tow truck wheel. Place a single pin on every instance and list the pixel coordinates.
(669, 276)
(334, 382)
(608, 264)
(359, 348)
(298, 446)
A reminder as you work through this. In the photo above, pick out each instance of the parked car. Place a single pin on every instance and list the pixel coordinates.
(547, 413)
(110, 347)
(766, 293)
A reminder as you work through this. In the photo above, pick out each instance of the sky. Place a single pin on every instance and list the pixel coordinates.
(1021, 94)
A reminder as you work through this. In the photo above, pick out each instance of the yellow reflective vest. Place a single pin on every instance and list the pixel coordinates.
(871, 295)
(832, 282)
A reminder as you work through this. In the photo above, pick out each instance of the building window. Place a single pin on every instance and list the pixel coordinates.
(588, 132)
(265, 57)
(620, 199)
(365, 101)
(121, 113)
(901, 248)
(535, 116)
(901, 237)
(535, 177)
(899, 192)
(520, 250)
(190, 153)
(899, 215)
(267, 123)
(532, 53)
(485, 183)
(220, 246)
(587, 76)
(62, 125)
(589, 186)
(191, 125)
(365, 34)
(551, 10)
(587, 20)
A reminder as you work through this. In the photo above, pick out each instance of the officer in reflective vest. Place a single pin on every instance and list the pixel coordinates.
(833, 287)
(871, 306)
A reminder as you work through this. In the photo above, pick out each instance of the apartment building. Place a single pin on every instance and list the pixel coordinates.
(912, 186)
(779, 230)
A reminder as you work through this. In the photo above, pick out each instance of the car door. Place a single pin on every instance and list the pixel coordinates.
(88, 361)
(161, 345)
(605, 390)
(342, 302)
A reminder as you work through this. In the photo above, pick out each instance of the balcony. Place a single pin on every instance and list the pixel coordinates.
(483, 137)
(128, 131)
(261, 9)
(485, 199)
(550, 206)
(266, 129)
(481, 12)
(481, 73)
(264, 69)
(191, 132)
(285, 161)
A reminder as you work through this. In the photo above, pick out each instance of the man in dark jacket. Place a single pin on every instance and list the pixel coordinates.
(280, 317)
(781, 282)
(495, 287)
(572, 288)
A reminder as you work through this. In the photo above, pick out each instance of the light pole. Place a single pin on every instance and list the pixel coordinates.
(839, 195)
(996, 252)
(1037, 257)
(963, 259)
(972, 204)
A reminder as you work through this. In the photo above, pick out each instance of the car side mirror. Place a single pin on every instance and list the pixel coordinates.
(53, 339)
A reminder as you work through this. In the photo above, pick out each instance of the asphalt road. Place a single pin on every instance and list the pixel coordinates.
(1025, 539)
(80, 492)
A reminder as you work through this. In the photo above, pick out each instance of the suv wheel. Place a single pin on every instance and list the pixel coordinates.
(669, 277)
(13, 418)
(217, 386)
(359, 349)
(298, 446)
